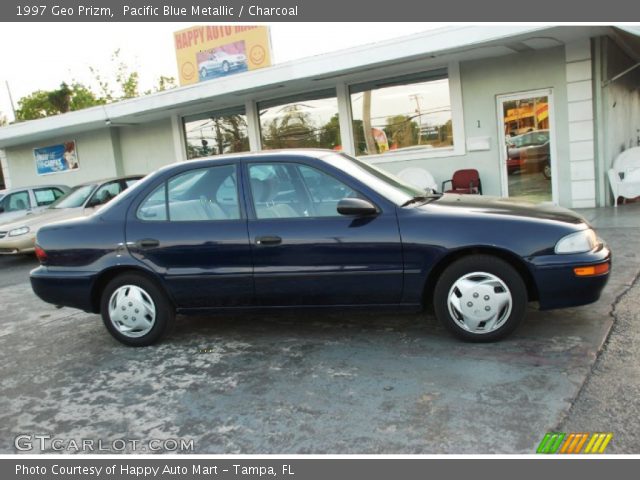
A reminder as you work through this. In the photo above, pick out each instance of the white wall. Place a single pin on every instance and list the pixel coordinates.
(145, 148)
(95, 155)
(622, 104)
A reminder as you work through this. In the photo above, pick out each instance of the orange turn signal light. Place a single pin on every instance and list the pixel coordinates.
(591, 270)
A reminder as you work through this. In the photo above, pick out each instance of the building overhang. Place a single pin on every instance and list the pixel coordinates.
(430, 49)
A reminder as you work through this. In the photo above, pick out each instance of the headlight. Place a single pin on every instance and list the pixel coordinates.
(18, 231)
(579, 242)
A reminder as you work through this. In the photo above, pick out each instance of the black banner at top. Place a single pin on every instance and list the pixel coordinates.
(253, 11)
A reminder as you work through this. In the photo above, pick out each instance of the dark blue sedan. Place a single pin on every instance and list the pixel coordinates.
(309, 229)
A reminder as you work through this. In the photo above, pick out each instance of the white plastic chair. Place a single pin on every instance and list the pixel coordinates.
(418, 177)
(624, 176)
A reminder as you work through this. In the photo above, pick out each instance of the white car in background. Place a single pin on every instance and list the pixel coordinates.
(19, 202)
(221, 62)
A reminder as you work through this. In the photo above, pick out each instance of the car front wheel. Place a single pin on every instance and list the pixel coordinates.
(480, 298)
(135, 310)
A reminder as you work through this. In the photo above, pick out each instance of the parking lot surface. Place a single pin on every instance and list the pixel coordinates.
(340, 382)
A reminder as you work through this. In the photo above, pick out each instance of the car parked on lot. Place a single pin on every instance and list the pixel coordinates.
(19, 236)
(22, 201)
(221, 61)
(313, 229)
(529, 153)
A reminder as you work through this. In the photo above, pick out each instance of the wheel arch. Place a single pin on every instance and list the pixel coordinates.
(109, 274)
(511, 258)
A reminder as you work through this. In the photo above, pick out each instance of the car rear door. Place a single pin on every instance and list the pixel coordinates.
(305, 252)
(192, 231)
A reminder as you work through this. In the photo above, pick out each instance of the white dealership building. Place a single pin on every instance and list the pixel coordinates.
(460, 97)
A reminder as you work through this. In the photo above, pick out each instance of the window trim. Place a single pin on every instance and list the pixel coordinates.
(457, 118)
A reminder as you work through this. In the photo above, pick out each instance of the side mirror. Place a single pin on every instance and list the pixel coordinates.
(356, 207)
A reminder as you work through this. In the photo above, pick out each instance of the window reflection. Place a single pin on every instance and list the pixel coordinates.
(216, 134)
(305, 123)
(402, 117)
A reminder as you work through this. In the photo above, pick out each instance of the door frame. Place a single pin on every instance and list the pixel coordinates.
(500, 99)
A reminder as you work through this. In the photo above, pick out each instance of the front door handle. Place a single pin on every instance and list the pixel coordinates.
(268, 240)
(148, 243)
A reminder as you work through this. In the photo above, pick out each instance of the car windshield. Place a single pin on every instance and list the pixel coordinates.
(385, 183)
(75, 198)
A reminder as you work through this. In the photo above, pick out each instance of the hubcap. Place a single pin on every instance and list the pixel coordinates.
(480, 302)
(132, 311)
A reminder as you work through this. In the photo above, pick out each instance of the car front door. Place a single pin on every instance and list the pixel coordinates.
(191, 230)
(305, 252)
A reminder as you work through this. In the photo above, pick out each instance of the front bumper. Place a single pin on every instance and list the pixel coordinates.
(69, 289)
(559, 287)
(16, 245)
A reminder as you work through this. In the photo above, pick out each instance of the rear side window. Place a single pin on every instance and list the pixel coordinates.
(46, 196)
(206, 194)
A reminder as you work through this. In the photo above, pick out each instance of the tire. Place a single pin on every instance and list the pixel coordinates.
(203, 73)
(138, 295)
(493, 298)
(225, 67)
(546, 171)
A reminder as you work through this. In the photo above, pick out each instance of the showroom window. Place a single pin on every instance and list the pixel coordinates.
(215, 133)
(304, 121)
(409, 113)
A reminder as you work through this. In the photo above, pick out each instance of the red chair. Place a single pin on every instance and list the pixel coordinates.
(464, 182)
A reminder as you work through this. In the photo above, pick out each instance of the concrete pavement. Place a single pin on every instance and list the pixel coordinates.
(306, 383)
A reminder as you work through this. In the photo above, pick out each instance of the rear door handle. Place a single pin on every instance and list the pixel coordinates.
(148, 243)
(269, 240)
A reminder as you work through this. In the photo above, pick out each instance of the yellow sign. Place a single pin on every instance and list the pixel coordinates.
(205, 52)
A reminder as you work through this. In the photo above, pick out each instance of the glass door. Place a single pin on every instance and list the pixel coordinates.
(527, 145)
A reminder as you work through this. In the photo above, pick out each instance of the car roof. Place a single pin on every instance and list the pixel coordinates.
(318, 153)
(111, 179)
(31, 187)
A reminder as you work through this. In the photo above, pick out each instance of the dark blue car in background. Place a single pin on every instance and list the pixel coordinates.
(309, 229)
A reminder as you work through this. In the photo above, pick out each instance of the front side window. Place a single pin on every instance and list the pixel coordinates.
(304, 122)
(105, 193)
(198, 195)
(288, 190)
(216, 133)
(402, 115)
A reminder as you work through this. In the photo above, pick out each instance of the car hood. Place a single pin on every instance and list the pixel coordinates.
(496, 206)
(49, 215)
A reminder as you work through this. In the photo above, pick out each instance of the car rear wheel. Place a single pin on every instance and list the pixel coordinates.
(135, 310)
(226, 67)
(203, 73)
(480, 298)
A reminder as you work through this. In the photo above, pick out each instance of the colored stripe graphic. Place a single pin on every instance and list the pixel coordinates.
(572, 443)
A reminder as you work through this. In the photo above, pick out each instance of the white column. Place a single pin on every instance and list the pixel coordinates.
(345, 119)
(179, 145)
(253, 125)
(4, 164)
(581, 123)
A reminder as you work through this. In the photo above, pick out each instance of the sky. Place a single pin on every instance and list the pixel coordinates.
(40, 56)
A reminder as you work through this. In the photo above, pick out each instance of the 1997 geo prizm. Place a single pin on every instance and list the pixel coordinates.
(303, 228)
